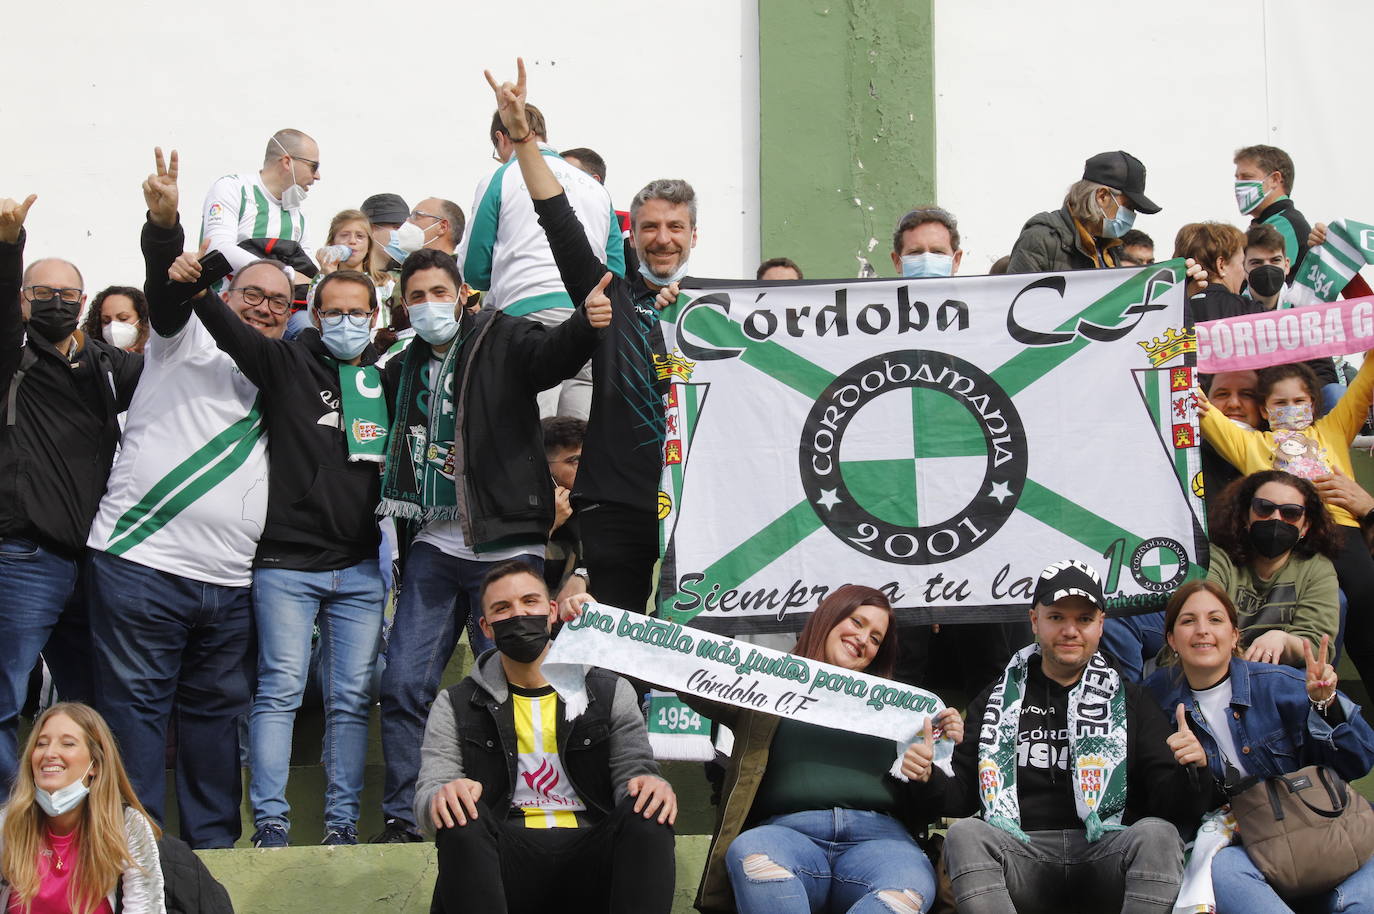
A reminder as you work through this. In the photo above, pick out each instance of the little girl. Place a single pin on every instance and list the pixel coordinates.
(1310, 449)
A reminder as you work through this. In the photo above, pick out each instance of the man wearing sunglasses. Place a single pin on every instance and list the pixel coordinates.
(172, 546)
(60, 394)
(259, 214)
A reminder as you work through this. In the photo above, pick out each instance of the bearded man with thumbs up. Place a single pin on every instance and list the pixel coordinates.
(1079, 797)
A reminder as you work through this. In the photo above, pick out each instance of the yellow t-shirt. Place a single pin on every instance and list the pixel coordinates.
(542, 793)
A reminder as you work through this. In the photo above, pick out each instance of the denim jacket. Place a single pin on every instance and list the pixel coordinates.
(1273, 724)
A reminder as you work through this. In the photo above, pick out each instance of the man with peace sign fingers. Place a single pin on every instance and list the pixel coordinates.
(60, 396)
(172, 545)
(316, 565)
(622, 455)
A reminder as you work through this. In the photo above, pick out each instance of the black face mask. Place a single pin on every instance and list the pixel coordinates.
(521, 638)
(54, 320)
(1272, 538)
(1266, 281)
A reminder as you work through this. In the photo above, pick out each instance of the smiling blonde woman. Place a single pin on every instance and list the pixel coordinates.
(75, 837)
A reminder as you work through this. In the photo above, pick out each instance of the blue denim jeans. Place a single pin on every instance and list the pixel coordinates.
(829, 860)
(438, 595)
(1240, 889)
(1132, 640)
(347, 604)
(166, 644)
(35, 586)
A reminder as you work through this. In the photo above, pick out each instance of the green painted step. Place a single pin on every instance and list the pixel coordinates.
(371, 879)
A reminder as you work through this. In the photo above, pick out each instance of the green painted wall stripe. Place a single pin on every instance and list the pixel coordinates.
(846, 127)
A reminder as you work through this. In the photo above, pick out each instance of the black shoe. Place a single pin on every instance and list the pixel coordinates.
(396, 832)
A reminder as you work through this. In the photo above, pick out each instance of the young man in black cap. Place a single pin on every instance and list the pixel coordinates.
(1086, 233)
(1077, 789)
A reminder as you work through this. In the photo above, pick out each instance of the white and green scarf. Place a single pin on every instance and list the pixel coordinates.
(365, 415)
(1097, 746)
(1326, 269)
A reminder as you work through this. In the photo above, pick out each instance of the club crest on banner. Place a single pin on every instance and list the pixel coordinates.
(942, 440)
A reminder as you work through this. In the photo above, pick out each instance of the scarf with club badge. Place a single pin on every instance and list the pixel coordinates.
(365, 415)
(1097, 747)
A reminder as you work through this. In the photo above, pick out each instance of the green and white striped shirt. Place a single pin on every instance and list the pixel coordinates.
(240, 207)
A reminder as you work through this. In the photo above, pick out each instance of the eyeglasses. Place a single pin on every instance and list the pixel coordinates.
(253, 296)
(1264, 508)
(419, 214)
(496, 154)
(45, 294)
(356, 318)
(313, 163)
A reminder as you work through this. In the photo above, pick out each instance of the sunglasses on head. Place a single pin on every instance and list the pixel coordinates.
(1265, 508)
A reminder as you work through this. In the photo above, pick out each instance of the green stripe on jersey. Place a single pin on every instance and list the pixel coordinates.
(260, 217)
(213, 463)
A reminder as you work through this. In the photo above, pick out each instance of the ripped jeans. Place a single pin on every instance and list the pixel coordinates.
(830, 860)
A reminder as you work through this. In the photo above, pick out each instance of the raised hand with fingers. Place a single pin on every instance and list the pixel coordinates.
(1187, 749)
(160, 190)
(186, 268)
(950, 724)
(597, 305)
(510, 102)
(12, 216)
(1197, 277)
(919, 756)
(1321, 676)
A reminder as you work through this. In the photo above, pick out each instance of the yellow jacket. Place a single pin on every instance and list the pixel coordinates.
(1252, 451)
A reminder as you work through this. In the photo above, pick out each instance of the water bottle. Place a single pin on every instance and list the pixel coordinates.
(338, 253)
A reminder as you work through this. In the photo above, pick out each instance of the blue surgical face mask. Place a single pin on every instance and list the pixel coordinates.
(343, 338)
(1119, 224)
(64, 799)
(929, 264)
(676, 276)
(434, 321)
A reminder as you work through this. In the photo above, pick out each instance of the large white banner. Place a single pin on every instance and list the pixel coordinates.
(941, 439)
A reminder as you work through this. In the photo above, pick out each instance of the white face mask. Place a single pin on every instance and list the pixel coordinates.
(293, 196)
(434, 321)
(929, 264)
(64, 799)
(120, 334)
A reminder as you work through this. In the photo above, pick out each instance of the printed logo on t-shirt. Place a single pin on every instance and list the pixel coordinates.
(1042, 744)
(542, 784)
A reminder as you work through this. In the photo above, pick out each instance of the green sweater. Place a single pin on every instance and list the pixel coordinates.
(1299, 599)
(811, 767)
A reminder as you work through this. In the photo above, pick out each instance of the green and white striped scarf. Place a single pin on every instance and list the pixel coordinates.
(1097, 746)
(1326, 269)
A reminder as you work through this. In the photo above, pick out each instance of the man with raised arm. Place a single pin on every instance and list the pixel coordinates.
(622, 457)
(61, 392)
(173, 542)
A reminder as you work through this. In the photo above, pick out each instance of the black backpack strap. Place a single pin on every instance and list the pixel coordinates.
(26, 362)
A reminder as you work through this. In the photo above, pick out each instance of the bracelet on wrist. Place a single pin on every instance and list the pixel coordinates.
(1323, 704)
(523, 139)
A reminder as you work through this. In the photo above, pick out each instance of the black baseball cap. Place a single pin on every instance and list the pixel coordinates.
(388, 209)
(1124, 172)
(1069, 578)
